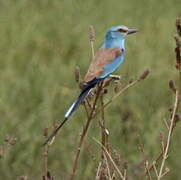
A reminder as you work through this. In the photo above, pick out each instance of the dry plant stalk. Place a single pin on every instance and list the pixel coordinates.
(163, 172)
(147, 170)
(84, 132)
(104, 135)
(8, 143)
(23, 178)
(111, 160)
(93, 107)
(46, 173)
(45, 158)
(92, 36)
(125, 88)
(163, 155)
(98, 171)
(92, 111)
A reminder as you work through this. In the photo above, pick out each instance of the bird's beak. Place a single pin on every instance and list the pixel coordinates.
(131, 31)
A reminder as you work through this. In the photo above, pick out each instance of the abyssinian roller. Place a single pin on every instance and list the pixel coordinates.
(106, 60)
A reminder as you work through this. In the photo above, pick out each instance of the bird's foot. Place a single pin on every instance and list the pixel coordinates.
(115, 77)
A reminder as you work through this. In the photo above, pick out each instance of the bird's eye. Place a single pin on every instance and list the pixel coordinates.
(122, 30)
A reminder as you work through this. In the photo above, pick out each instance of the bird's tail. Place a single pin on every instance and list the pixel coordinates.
(73, 107)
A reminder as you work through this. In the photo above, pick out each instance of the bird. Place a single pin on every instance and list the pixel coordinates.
(106, 60)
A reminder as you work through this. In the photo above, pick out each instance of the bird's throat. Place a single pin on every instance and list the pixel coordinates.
(115, 43)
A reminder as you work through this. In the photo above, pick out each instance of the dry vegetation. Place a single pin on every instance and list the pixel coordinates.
(95, 107)
(128, 129)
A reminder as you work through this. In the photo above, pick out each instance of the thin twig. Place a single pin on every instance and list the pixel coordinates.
(116, 95)
(165, 154)
(84, 132)
(113, 176)
(155, 169)
(156, 161)
(93, 108)
(103, 135)
(108, 169)
(86, 110)
(92, 38)
(92, 48)
(103, 132)
(166, 171)
(88, 103)
(112, 161)
(121, 91)
(125, 174)
(45, 157)
(166, 124)
(147, 170)
(98, 170)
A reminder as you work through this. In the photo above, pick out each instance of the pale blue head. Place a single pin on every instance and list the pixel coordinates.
(119, 32)
(116, 35)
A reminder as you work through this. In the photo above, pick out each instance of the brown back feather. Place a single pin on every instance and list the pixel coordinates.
(102, 57)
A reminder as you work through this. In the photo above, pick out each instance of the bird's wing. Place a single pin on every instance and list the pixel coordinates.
(103, 57)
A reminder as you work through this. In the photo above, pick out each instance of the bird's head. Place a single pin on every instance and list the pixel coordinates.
(119, 32)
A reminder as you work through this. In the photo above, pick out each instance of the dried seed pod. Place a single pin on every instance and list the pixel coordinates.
(106, 82)
(7, 139)
(178, 25)
(178, 66)
(12, 141)
(131, 80)
(170, 109)
(92, 33)
(117, 158)
(55, 126)
(125, 165)
(23, 177)
(177, 118)
(178, 51)
(118, 86)
(45, 132)
(105, 91)
(145, 74)
(1, 152)
(172, 86)
(77, 74)
(81, 84)
(161, 136)
(177, 40)
(146, 163)
(49, 176)
(167, 169)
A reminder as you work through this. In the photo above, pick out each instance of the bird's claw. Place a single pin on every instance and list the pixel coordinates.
(115, 77)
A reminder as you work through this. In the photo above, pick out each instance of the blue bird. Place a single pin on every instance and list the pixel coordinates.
(107, 59)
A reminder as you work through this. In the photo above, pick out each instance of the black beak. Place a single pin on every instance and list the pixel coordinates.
(131, 31)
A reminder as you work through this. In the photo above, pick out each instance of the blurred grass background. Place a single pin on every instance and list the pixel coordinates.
(41, 43)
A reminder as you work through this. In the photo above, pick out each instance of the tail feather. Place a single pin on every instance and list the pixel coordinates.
(76, 103)
(73, 107)
(87, 88)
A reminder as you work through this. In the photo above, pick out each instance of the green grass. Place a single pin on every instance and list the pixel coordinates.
(41, 43)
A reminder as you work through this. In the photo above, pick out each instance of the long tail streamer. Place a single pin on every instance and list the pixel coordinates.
(73, 108)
